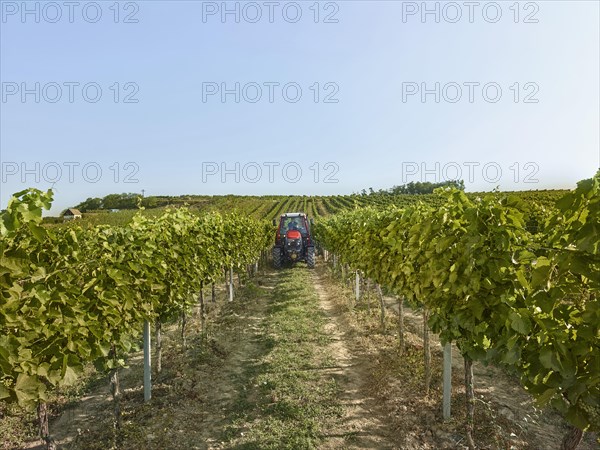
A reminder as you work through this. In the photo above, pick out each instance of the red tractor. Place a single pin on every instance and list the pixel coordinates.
(293, 241)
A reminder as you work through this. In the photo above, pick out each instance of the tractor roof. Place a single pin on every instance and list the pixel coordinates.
(297, 214)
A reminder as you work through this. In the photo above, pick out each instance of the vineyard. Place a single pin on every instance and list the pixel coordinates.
(511, 279)
(269, 207)
(505, 295)
(73, 296)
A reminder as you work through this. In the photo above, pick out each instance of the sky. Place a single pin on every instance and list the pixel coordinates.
(315, 98)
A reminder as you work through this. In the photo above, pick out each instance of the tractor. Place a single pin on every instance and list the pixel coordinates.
(293, 241)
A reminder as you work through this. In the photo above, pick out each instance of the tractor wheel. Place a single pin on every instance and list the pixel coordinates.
(310, 257)
(277, 257)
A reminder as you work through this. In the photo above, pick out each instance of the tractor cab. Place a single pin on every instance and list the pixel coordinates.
(291, 223)
(293, 241)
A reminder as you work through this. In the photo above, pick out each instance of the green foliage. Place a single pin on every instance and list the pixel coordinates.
(560, 361)
(25, 208)
(425, 187)
(111, 201)
(73, 295)
(540, 203)
(501, 289)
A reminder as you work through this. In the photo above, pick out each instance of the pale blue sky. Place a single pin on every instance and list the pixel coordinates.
(373, 137)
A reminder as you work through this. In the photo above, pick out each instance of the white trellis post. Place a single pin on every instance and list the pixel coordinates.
(147, 363)
(447, 396)
(231, 284)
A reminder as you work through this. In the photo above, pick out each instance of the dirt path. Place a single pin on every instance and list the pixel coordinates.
(544, 428)
(288, 365)
(505, 415)
(220, 396)
(192, 397)
(79, 418)
(362, 418)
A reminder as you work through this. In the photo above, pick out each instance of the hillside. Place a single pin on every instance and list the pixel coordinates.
(270, 206)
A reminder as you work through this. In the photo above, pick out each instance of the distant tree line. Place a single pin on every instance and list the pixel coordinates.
(416, 188)
(111, 201)
(134, 200)
(121, 201)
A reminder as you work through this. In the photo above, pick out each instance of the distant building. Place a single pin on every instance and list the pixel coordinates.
(71, 214)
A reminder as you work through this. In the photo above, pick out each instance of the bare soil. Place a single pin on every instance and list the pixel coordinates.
(380, 391)
(362, 417)
(542, 428)
(506, 417)
(191, 396)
